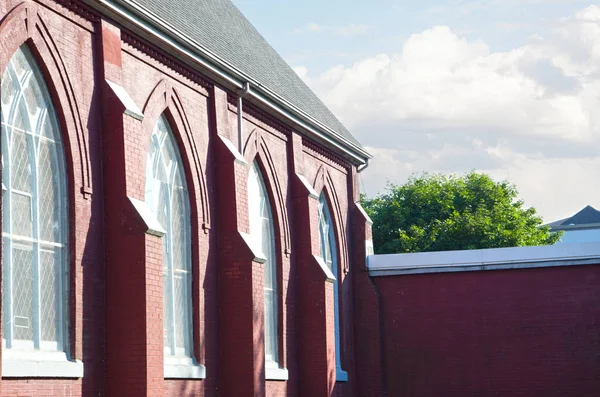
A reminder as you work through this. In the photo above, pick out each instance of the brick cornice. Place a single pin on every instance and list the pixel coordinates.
(324, 154)
(160, 56)
(80, 9)
(260, 118)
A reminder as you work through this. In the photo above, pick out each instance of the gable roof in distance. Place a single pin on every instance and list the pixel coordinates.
(587, 217)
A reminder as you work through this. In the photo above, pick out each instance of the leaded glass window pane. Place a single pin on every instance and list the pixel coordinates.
(262, 231)
(167, 195)
(34, 209)
(329, 254)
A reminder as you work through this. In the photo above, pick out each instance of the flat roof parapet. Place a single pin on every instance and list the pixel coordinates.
(484, 259)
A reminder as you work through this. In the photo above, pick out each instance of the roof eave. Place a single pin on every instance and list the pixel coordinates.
(141, 21)
(581, 226)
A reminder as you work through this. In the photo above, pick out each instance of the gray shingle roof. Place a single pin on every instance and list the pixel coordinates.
(219, 27)
(587, 216)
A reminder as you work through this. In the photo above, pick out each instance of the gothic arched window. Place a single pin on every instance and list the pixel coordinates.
(35, 212)
(329, 254)
(167, 196)
(262, 231)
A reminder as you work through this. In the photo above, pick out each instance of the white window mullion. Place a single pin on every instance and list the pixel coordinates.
(8, 280)
(171, 299)
(65, 270)
(171, 296)
(188, 254)
(8, 293)
(61, 300)
(21, 239)
(189, 332)
(273, 285)
(16, 101)
(336, 300)
(330, 255)
(36, 292)
(29, 133)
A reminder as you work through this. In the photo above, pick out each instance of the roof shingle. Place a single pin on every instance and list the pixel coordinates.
(220, 28)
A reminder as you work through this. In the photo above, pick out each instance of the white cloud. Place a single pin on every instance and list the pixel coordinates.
(313, 27)
(436, 9)
(302, 72)
(444, 103)
(557, 188)
(511, 26)
(558, 1)
(300, 57)
(352, 29)
(339, 30)
(468, 7)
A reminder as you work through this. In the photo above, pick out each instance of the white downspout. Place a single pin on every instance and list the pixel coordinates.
(240, 114)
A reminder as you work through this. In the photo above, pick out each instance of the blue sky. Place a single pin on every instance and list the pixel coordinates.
(380, 26)
(507, 87)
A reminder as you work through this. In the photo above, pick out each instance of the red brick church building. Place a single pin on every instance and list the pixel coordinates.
(180, 218)
(178, 208)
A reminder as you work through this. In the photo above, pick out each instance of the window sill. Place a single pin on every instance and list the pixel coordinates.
(341, 376)
(276, 374)
(39, 365)
(183, 368)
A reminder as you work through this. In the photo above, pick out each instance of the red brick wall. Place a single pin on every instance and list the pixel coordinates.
(63, 43)
(115, 313)
(529, 332)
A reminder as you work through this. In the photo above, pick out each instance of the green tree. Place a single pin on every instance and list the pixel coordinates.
(436, 212)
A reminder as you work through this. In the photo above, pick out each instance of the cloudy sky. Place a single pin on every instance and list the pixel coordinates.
(506, 87)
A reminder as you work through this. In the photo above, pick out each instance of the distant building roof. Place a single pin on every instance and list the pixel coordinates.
(218, 28)
(589, 217)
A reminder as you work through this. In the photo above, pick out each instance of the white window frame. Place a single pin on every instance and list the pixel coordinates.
(260, 211)
(179, 361)
(36, 357)
(329, 253)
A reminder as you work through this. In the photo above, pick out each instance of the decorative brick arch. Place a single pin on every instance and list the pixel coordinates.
(164, 99)
(256, 148)
(323, 184)
(24, 24)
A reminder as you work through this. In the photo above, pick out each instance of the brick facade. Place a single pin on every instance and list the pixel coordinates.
(530, 332)
(524, 332)
(115, 304)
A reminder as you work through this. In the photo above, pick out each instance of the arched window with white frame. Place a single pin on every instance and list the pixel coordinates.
(262, 231)
(329, 253)
(167, 196)
(35, 214)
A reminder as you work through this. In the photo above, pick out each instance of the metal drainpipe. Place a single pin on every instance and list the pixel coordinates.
(241, 94)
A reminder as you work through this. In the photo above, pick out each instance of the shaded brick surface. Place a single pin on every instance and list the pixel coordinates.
(529, 332)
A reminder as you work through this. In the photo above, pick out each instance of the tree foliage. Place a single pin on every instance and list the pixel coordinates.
(436, 212)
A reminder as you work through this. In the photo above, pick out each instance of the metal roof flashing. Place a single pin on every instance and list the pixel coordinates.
(568, 254)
